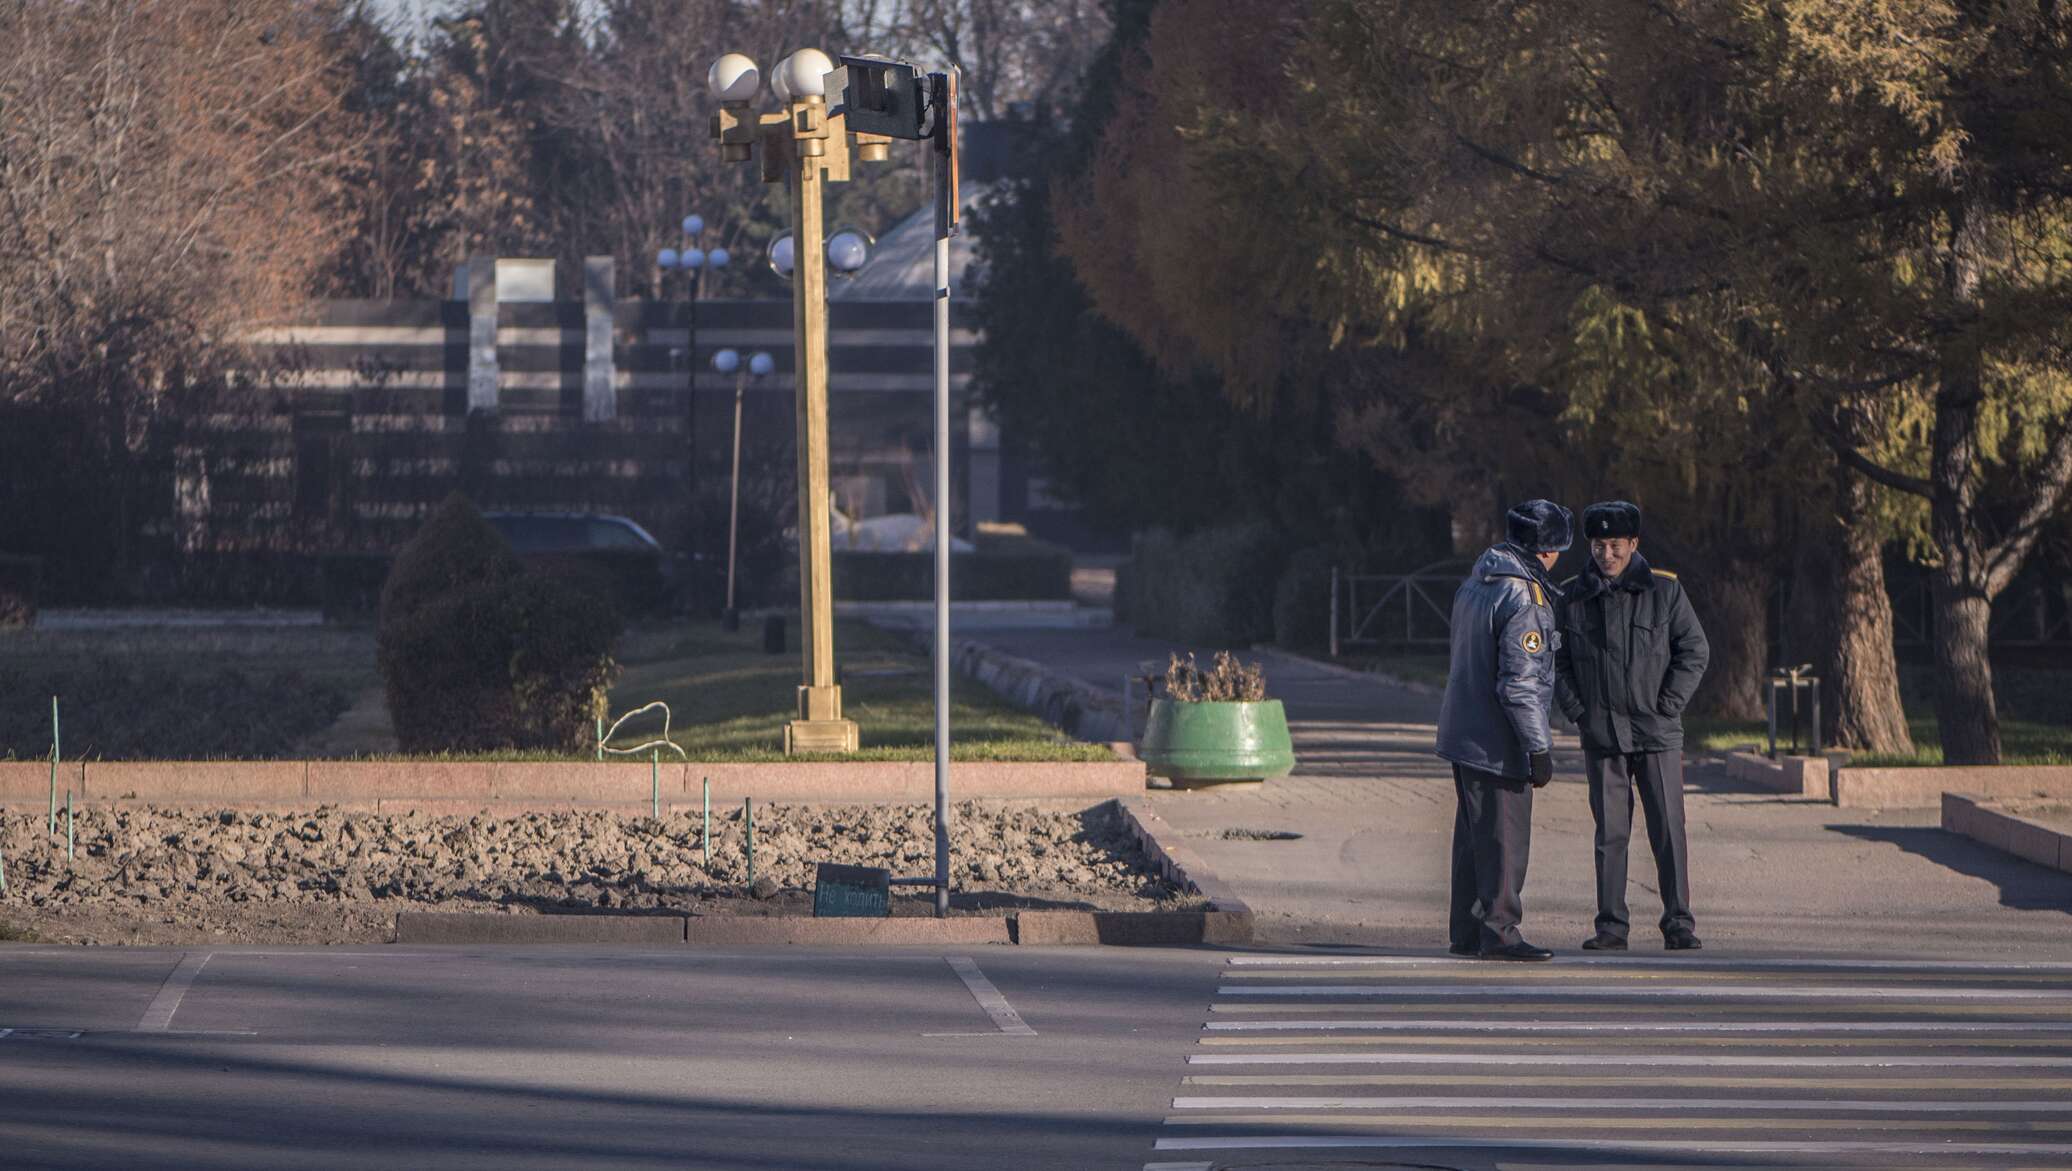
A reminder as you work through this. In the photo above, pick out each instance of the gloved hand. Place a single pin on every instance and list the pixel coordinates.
(1542, 769)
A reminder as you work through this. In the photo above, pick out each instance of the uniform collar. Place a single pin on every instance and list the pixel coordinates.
(1637, 578)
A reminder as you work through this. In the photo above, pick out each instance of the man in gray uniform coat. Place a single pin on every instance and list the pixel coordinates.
(1631, 654)
(1493, 727)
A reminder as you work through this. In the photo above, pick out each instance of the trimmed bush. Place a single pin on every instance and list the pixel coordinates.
(1215, 585)
(479, 653)
(1302, 602)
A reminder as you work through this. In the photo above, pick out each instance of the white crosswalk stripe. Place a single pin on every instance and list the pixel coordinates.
(1856, 1063)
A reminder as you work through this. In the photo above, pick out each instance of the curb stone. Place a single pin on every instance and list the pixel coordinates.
(1027, 928)
(1184, 868)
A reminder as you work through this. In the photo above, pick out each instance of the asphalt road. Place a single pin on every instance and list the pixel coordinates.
(1090, 1058)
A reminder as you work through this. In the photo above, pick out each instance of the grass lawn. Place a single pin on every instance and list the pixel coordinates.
(2021, 741)
(730, 701)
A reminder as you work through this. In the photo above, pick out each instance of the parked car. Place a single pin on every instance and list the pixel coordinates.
(641, 574)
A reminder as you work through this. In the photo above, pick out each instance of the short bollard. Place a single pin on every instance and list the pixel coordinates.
(705, 834)
(748, 813)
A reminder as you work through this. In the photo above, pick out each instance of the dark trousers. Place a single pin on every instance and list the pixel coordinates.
(1492, 835)
(1659, 778)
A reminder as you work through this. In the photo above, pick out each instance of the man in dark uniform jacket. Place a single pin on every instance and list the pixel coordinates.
(1493, 727)
(1631, 655)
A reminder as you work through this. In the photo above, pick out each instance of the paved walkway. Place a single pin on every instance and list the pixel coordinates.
(1375, 811)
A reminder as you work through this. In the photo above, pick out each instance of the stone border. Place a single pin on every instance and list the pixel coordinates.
(2002, 829)
(1924, 788)
(1025, 928)
(520, 786)
(1797, 776)
(1065, 702)
(1181, 865)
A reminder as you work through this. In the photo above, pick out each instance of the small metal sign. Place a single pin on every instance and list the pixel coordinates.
(851, 892)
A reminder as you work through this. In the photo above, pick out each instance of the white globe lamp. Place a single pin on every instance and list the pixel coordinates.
(760, 364)
(804, 74)
(734, 78)
(726, 361)
(783, 256)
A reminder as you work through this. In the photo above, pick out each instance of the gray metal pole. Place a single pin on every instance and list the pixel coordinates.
(944, 173)
(734, 496)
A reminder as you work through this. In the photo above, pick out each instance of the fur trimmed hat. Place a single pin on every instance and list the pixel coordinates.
(1539, 526)
(1611, 518)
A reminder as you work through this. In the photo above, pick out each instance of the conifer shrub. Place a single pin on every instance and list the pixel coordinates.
(479, 653)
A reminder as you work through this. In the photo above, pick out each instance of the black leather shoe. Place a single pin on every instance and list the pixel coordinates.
(1681, 941)
(1465, 950)
(1605, 941)
(1521, 951)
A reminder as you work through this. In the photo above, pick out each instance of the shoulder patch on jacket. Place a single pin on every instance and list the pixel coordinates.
(1532, 642)
(1663, 573)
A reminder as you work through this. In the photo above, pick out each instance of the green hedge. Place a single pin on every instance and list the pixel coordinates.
(1000, 569)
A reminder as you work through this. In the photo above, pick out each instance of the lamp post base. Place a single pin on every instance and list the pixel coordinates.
(820, 736)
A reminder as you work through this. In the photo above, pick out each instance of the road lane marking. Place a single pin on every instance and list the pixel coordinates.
(1179, 1167)
(1640, 1042)
(1680, 991)
(158, 1015)
(1492, 972)
(1690, 1060)
(1407, 1023)
(1423, 1121)
(1605, 1146)
(1662, 961)
(989, 998)
(1838, 1105)
(1665, 1009)
(1686, 1081)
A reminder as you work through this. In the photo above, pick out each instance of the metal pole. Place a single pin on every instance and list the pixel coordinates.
(68, 825)
(600, 737)
(733, 617)
(1334, 611)
(655, 782)
(748, 814)
(944, 173)
(1770, 709)
(1813, 696)
(705, 835)
(52, 827)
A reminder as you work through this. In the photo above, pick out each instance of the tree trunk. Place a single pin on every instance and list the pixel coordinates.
(1842, 618)
(1735, 612)
(1964, 676)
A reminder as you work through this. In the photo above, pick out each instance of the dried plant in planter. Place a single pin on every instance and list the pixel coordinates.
(1226, 680)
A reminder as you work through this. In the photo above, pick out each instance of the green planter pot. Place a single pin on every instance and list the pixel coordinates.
(1217, 743)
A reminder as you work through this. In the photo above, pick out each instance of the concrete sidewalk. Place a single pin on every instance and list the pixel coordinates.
(1375, 811)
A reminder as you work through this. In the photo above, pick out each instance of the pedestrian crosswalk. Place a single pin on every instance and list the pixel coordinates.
(1630, 1059)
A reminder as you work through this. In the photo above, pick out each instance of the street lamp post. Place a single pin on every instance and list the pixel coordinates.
(693, 261)
(759, 365)
(803, 146)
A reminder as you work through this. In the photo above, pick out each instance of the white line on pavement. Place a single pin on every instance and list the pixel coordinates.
(1479, 1103)
(1694, 1060)
(1481, 1026)
(1179, 1167)
(1682, 1146)
(1662, 961)
(989, 997)
(1675, 991)
(158, 1016)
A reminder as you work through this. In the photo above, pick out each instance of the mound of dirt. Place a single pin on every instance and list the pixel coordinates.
(162, 875)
